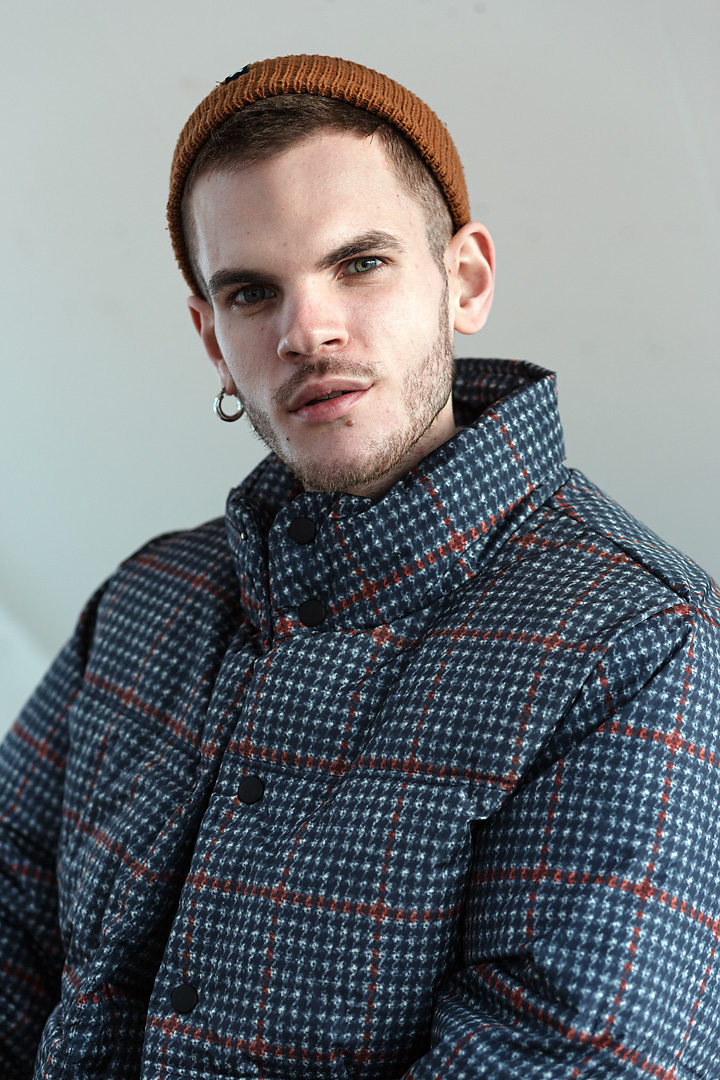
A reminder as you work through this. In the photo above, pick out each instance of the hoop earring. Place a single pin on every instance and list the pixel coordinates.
(217, 406)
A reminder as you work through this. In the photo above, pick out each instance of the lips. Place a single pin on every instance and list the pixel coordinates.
(320, 405)
(319, 391)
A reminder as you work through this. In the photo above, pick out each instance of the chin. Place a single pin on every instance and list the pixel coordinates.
(336, 476)
(351, 472)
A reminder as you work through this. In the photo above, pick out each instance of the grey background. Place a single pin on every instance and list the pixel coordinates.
(589, 135)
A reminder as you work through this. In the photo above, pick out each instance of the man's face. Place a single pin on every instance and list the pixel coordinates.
(328, 312)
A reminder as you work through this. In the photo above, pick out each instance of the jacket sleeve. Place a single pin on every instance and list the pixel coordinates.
(32, 773)
(593, 917)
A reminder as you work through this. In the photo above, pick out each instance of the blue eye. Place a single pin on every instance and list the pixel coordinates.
(252, 294)
(364, 265)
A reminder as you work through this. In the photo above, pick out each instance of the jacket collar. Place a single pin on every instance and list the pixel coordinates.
(373, 561)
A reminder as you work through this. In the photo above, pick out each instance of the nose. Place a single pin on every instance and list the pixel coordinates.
(313, 325)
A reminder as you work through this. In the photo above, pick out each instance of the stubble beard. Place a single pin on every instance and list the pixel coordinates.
(425, 392)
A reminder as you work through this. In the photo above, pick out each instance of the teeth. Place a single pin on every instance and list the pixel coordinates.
(326, 397)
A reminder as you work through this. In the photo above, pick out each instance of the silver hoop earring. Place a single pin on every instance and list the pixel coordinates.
(226, 416)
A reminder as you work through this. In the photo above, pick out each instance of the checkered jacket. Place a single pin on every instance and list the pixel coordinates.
(424, 787)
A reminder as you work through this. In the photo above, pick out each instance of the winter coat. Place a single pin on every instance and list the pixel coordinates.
(421, 786)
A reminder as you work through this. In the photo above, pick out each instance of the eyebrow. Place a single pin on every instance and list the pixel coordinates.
(353, 247)
(358, 244)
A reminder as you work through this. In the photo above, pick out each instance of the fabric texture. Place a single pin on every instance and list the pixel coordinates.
(328, 76)
(462, 826)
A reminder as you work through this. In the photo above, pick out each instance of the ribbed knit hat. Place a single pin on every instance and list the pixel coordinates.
(329, 77)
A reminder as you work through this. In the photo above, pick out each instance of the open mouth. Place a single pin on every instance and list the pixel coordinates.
(327, 397)
(323, 408)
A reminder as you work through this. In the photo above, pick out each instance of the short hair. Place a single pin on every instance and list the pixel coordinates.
(265, 128)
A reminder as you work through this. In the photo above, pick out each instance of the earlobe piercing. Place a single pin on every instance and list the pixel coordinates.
(225, 416)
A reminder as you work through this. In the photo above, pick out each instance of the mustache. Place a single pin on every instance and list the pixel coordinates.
(338, 366)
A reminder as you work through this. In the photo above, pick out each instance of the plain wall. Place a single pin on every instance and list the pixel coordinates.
(589, 136)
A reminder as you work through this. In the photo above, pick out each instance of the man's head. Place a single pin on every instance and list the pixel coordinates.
(379, 100)
(270, 126)
(326, 258)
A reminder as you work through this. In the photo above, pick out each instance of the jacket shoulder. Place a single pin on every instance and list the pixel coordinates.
(655, 564)
(171, 564)
(175, 598)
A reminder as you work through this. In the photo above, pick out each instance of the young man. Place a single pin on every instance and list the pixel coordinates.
(409, 766)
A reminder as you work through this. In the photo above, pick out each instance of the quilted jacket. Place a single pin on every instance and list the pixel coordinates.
(424, 787)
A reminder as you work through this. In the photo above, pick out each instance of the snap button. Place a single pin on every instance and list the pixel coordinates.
(311, 613)
(302, 530)
(184, 998)
(250, 789)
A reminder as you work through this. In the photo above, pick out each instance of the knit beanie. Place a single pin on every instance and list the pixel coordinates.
(329, 77)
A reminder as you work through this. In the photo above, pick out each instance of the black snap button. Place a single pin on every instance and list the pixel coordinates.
(250, 789)
(184, 998)
(311, 613)
(302, 530)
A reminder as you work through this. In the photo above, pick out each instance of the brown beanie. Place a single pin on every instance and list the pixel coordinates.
(329, 77)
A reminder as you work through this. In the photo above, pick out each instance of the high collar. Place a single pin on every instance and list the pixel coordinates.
(374, 560)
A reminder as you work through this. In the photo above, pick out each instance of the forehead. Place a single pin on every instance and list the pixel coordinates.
(308, 198)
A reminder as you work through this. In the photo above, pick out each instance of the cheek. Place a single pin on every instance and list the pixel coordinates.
(391, 315)
(409, 321)
(247, 349)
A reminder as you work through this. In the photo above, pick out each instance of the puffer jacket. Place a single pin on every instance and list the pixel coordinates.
(424, 786)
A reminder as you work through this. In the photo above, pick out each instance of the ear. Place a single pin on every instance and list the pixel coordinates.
(203, 317)
(470, 263)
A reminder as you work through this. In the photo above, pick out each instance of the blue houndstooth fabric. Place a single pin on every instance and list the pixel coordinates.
(419, 787)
